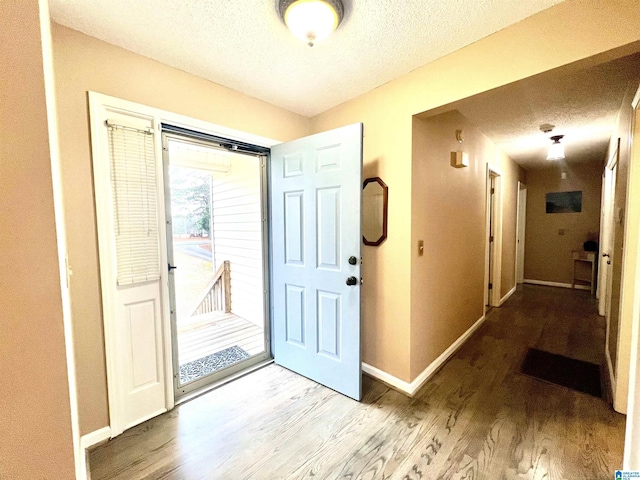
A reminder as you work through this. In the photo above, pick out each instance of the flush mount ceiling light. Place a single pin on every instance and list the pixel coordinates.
(311, 20)
(556, 150)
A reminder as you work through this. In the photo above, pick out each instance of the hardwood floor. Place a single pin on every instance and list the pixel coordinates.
(477, 418)
(215, 332)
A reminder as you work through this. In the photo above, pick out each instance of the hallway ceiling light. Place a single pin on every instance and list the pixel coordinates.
(556, 149)
(311, 20)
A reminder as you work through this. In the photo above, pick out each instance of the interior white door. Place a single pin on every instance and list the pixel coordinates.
(521, 220)
(126, 179)
(608, 247)
(316, 196)
(606, 211)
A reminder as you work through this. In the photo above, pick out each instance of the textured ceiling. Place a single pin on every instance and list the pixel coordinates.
(243, 44)
(583, 106)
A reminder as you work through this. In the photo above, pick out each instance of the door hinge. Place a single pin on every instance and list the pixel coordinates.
(493, 190)
(490, 286)
(491, 238)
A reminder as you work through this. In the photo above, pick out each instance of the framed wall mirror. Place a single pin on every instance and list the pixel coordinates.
(375, 205)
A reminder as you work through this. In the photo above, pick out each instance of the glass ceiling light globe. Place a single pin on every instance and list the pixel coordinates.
(556, 150)
(311, 20)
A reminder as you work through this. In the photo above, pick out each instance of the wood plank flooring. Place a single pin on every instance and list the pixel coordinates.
(477, 418)
(215, 332)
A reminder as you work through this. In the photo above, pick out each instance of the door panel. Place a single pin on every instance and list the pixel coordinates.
(294, 215)
(315, 221)
(141, 358)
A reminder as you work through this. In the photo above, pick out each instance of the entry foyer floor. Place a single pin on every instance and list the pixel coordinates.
(477, 418)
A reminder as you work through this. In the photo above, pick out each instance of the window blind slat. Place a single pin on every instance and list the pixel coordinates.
(134, 189)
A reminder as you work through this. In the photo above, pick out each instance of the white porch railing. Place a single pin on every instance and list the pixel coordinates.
(217, 295)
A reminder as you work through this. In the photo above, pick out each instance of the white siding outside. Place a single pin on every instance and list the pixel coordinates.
(237, 234)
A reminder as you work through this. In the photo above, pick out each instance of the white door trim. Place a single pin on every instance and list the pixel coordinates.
(98, 103)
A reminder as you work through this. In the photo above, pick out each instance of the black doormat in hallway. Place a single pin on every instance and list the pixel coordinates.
(209, 364)
(568, 372)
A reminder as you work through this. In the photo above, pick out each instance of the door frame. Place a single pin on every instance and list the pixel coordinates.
(99, 104)
(215, 379)
(493, 250)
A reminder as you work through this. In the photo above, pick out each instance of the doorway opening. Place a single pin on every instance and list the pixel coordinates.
(216, 241)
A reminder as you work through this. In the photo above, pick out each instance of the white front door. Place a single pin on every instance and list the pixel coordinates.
(316, 191)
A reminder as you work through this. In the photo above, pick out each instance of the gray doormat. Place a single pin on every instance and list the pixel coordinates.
(209, 364)
(568, 372)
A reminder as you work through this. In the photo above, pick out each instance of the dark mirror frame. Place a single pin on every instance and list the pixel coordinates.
(385, 210)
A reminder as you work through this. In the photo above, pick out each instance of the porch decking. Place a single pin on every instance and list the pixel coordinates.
(216, 331)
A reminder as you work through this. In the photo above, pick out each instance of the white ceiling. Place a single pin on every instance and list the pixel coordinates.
(583, 105)
(243, 44)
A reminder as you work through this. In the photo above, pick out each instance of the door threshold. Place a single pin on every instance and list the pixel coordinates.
(212, 386)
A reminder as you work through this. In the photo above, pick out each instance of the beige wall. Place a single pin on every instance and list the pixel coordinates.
(626, 206)
(548, 254)
(84, 63)
(449, 214)
(568, 32)
(35, 425)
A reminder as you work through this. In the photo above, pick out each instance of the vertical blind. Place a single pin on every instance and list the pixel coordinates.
(134, 193)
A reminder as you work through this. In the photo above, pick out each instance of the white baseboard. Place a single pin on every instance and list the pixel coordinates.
(87, 441)
(93, 438)
(555, 284)
(394, 382)
(509, 293)
(411, 388)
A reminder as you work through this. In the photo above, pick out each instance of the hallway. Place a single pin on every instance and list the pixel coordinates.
(477, 418)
